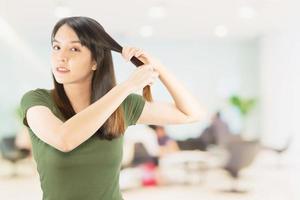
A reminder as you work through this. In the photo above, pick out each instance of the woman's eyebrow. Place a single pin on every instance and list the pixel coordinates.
(74, 41)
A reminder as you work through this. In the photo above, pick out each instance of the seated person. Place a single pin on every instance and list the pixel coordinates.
(166, 144)
(217, 133)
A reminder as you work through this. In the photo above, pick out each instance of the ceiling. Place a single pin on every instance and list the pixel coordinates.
(33, 20)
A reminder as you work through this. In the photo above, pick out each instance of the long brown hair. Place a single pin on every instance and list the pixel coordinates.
(92, 35)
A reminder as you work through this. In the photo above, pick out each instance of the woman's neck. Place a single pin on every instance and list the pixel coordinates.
(79, 95)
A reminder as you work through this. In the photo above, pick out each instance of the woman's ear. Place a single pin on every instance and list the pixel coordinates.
(94, 66)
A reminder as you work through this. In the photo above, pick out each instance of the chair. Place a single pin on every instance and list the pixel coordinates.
(241, 155)
(192, 144)
(11, 153)
(280, 151)
(142, 156)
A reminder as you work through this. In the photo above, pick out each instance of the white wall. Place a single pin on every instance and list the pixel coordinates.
(280, 87)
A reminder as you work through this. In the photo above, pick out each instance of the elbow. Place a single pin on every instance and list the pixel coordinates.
(196, 117)
(65, 149)
(59, 140)
(64, 145)
(201, 115)
(193, 119)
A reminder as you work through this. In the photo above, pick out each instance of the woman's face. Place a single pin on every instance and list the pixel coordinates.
(71, 62)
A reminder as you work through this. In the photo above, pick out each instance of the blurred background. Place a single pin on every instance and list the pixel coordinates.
(239, 57)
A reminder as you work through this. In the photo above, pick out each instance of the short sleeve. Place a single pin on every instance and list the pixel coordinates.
(133, 107)
(30, 99)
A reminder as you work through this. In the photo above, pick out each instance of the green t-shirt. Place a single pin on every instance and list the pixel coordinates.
(90, 171)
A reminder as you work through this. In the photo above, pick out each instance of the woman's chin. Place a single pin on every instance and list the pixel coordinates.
(60, 80)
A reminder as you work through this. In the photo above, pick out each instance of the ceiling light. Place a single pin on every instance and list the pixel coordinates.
(62, 11)
(247, 12)
(146, 31)
(157, 12)
(221, 31)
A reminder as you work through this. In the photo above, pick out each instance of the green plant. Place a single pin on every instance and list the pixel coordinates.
(244, 105)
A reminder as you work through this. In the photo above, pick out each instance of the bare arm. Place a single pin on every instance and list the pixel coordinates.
(184, 100)
(65, 136)
(185, 108)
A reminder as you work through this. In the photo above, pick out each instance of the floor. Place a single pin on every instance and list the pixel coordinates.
(269, 178)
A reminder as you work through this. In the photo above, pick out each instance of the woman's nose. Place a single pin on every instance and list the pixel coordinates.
(63, 55)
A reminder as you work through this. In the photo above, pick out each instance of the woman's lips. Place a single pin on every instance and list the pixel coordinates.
(62, 70)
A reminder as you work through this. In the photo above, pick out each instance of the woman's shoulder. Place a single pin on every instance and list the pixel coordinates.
(38, 94)
(37, 91)
(41, 90)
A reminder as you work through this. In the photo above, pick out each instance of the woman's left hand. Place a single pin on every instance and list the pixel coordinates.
(129, 52)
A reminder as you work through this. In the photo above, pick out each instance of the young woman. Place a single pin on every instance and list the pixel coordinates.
(77, 128)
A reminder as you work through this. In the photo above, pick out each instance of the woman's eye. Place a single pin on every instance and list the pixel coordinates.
(55, 47)
(74, 49)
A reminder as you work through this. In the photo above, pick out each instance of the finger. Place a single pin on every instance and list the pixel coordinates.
(125, 50)
(148, 67)
(125, 53)
(128, 53)
(156, 74)
(131, 53)
(129, 56)
(150, 84)
(151, 68)
(154, 78)
(138, 53)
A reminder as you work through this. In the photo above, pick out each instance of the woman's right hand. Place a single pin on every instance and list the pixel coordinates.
(142, 76)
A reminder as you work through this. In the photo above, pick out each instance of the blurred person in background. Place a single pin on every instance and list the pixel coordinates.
(166, 144)
(217, 133)
(77, 128)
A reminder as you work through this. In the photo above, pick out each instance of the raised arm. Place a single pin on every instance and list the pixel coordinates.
(185, 108)
(65, 136)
